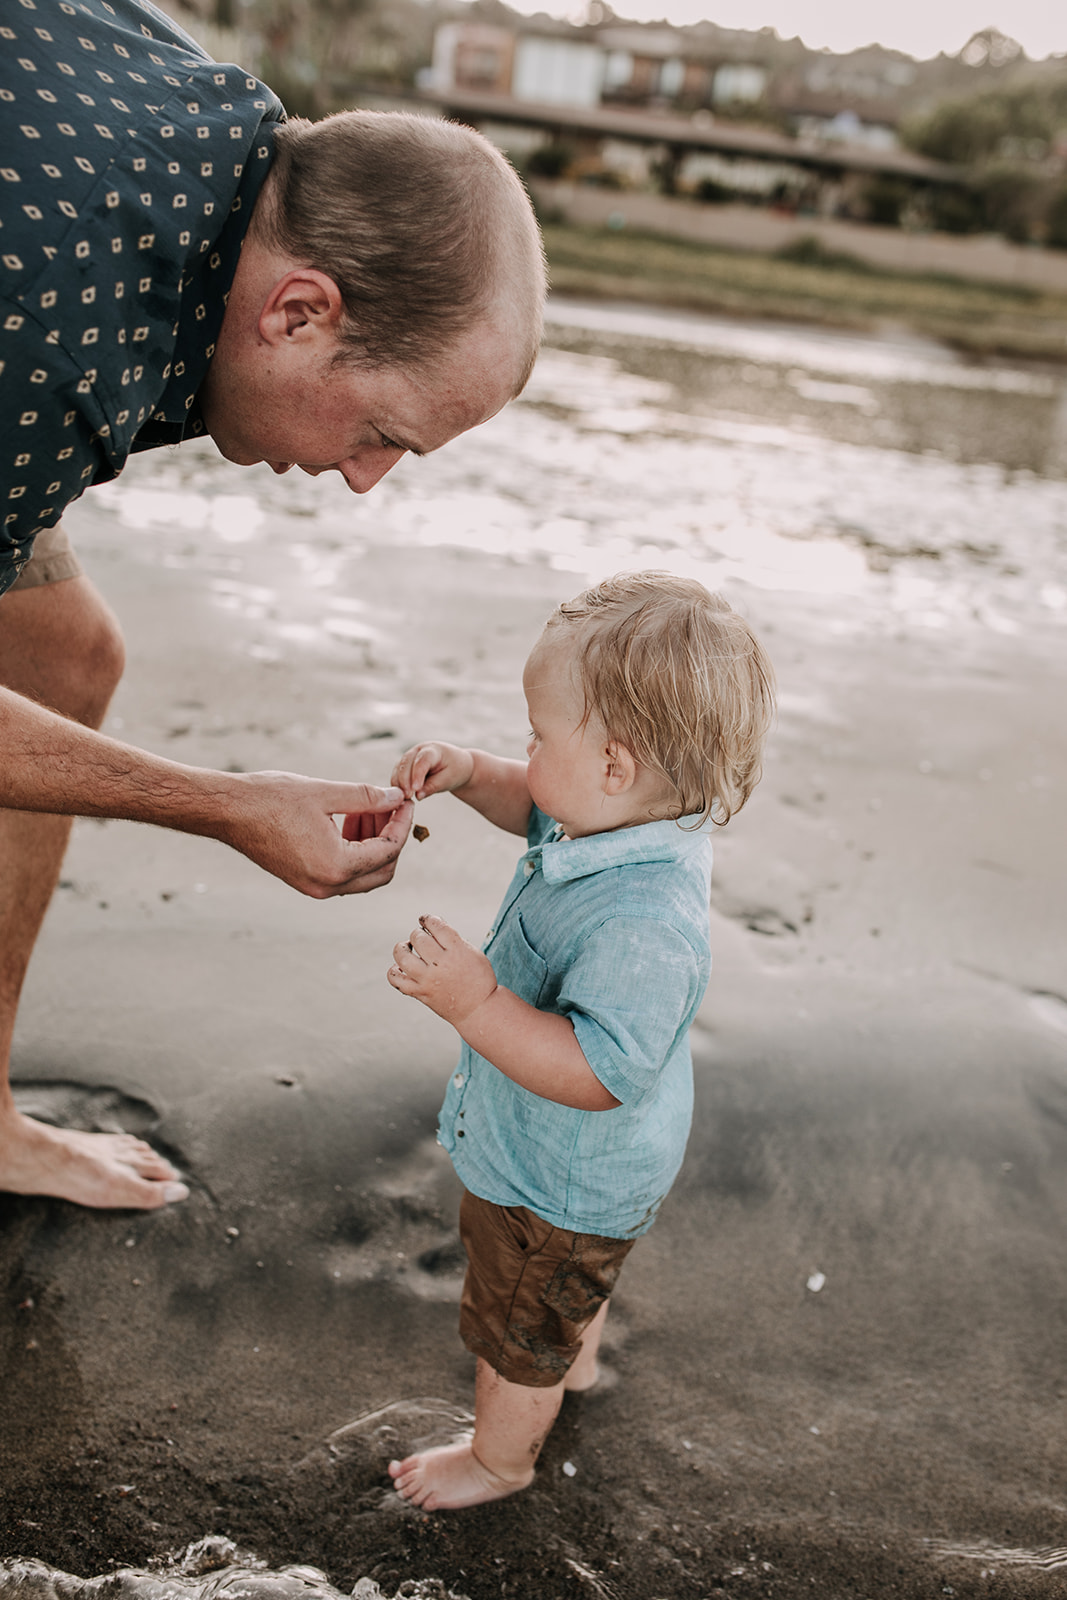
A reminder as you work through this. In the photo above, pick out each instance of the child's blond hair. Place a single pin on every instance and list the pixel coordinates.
(679, 678)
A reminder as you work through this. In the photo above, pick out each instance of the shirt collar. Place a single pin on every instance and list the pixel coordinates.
(565, 859)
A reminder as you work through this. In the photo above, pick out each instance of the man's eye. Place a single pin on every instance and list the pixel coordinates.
(389, 444)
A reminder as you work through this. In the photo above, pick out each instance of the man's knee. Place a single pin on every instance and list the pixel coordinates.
(60, 644)
(103, 655)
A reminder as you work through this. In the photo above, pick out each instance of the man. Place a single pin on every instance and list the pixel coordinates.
(177, 259)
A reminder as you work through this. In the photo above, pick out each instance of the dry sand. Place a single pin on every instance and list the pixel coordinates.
(839, 1352)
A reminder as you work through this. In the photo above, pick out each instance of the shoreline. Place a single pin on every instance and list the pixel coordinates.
(978, 319)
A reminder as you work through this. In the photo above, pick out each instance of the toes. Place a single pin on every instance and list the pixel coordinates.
(407, 1480)
(152, 1166)
(125, 1189)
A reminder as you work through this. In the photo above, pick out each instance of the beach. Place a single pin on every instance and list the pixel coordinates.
(838, 1354)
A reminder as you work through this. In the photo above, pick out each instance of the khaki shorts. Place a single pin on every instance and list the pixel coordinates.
(52, 560)
(531, 1290)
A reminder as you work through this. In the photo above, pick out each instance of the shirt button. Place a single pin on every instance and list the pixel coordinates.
(527, 869)
(458, 1080)
(459, 1133)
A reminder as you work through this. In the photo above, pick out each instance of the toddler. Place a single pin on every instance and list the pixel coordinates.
(567, 1117)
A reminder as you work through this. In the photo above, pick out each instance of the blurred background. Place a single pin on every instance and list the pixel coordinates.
(885, 149)
(806, 343)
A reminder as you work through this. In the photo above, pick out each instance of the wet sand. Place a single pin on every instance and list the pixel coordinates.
(839, 1352)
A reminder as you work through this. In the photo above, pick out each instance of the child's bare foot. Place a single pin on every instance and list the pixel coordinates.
(92, 1169)
(449, 1478)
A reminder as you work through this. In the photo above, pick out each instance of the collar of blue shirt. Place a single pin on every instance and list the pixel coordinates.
(566, 859)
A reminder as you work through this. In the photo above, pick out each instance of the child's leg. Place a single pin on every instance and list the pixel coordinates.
(511, 1423)
(585, 1369)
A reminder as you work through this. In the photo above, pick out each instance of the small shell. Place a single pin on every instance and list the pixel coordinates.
(420, 833)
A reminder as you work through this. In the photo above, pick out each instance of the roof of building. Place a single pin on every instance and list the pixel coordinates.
(699, 132)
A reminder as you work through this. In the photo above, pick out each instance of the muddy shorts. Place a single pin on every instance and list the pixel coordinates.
(531, 1290)
(52, 560)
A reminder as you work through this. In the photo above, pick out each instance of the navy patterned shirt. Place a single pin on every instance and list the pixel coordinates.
(130, 163)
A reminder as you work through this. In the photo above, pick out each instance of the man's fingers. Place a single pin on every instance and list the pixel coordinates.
(393, 823)
(368, 864)
(348, 797)
(398, 825)
(359, 827)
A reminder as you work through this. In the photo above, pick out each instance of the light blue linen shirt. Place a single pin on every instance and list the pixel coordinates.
(611, 931)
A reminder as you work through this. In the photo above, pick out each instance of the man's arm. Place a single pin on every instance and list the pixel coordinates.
(535, 1049)
(491, 785)
(282, 822)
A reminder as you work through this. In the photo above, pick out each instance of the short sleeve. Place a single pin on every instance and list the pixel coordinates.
(630, 996)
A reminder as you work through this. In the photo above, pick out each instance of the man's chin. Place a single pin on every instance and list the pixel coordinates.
(239, 455)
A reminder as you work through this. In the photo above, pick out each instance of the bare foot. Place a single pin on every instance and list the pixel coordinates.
(92, 1169)
(449, 1478)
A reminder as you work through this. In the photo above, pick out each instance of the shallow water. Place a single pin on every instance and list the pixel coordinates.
(212, 1568)
(925, 490)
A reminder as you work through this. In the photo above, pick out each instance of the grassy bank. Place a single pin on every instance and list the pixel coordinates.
(835, 291)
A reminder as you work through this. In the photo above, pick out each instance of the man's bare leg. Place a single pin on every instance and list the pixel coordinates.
(511, 1423)
(60, 645)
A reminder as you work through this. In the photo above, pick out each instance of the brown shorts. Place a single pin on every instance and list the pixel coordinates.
(531, 1290)
(52, 560)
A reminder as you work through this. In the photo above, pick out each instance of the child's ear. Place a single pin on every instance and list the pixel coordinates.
(620, 768)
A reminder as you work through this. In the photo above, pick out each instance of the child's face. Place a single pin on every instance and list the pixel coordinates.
(569, 760)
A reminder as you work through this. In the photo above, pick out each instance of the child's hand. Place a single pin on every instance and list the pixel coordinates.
(428, 769)
(442, 970)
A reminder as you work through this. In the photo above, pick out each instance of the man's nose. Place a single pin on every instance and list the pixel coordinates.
(363, 470)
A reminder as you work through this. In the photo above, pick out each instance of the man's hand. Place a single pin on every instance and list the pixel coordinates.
(285, 824)
(282, 822)
(433, 768)
(442, 970)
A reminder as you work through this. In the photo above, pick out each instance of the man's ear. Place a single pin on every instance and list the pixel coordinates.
(300, 304)
(620, 768)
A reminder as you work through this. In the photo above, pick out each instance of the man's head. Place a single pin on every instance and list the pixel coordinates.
(389, 295)
(677, 679)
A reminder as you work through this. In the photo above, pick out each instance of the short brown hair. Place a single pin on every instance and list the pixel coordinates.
(423, 225)
(679, 678)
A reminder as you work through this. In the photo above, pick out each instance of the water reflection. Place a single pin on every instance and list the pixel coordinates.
(925, 489)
